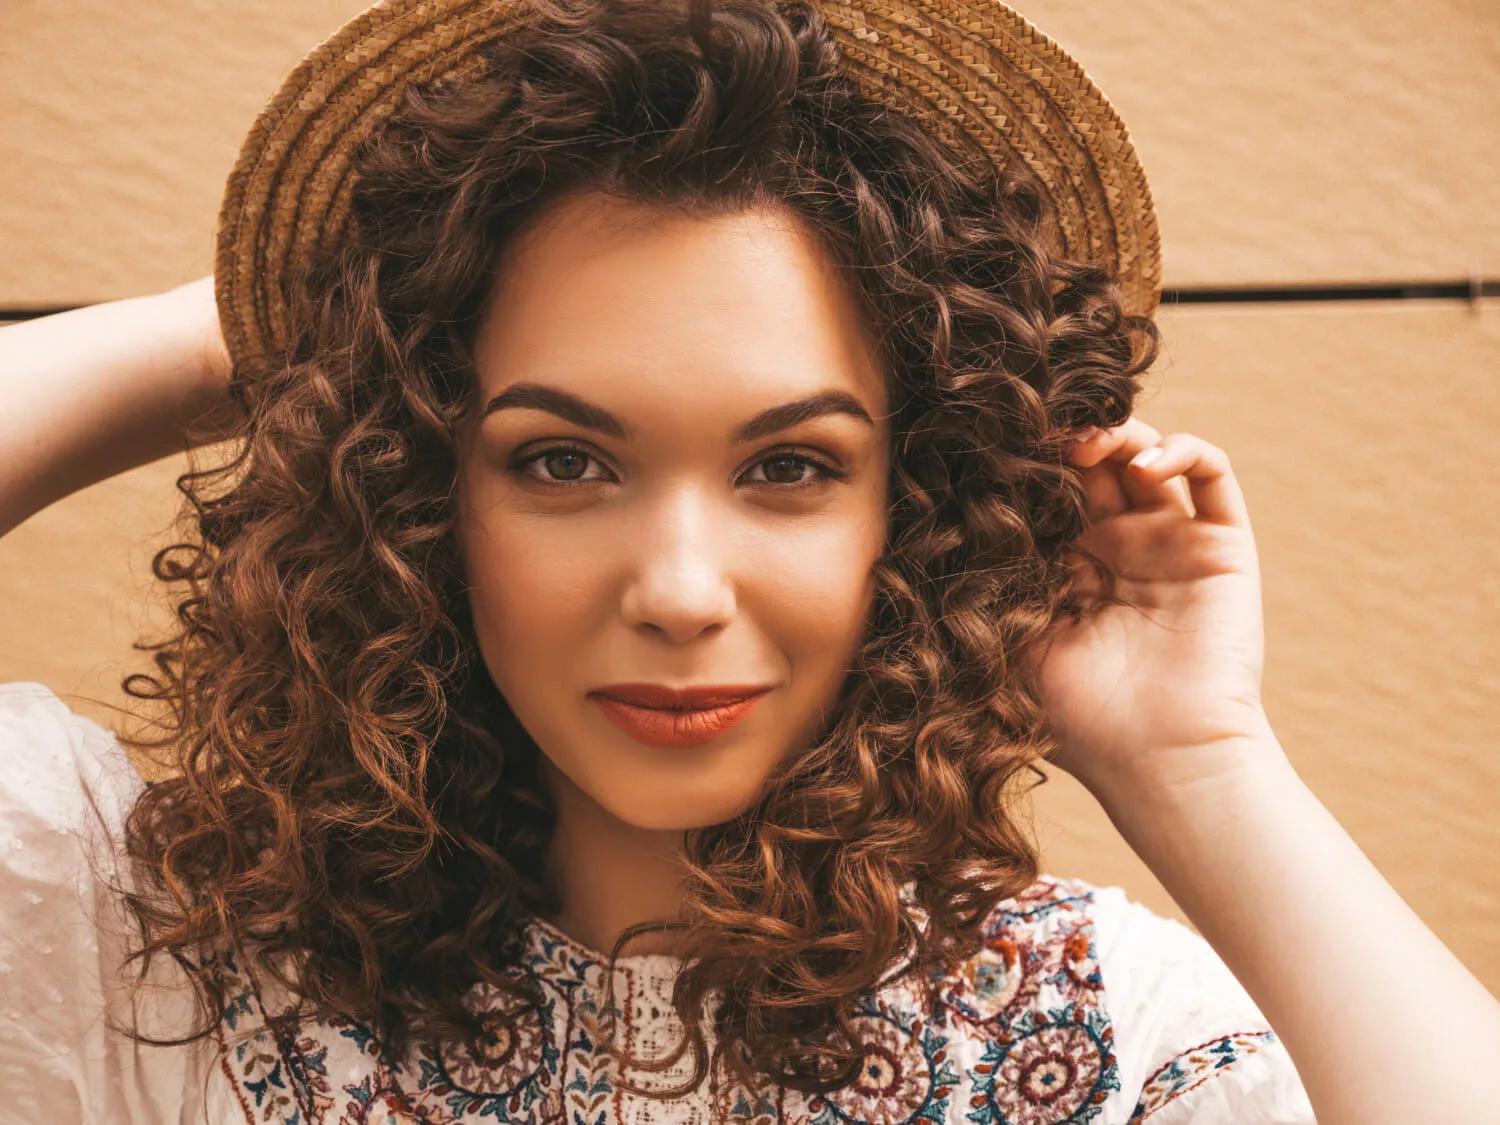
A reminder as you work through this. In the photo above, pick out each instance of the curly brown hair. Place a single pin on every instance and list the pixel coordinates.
(353, 808)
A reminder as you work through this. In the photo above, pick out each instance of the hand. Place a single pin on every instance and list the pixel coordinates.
(1166, 690)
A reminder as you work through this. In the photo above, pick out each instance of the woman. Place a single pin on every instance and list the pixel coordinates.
(662, 536)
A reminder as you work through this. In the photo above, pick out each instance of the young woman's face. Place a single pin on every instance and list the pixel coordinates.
(679, 482)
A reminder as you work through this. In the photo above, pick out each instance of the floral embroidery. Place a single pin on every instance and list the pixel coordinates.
(1040, 940)
(1019, 1035)
(1192, 1068)
(906, 1076)
(1050, 1069)
(1035, 994)
(517, 1070)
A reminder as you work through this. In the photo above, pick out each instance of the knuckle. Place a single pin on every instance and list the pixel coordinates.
(1206, 449)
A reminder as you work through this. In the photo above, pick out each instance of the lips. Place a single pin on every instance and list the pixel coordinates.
(662, 716)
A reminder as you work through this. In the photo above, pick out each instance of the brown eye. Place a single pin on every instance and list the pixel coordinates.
(792, 470)
(785, 469)
(566, 464)
(560, 465)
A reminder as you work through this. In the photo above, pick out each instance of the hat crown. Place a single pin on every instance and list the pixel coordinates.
(977, 75)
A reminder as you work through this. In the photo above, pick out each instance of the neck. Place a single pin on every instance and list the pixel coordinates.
(610, 874)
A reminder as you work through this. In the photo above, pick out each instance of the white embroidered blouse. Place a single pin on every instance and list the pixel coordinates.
(1083, 1007)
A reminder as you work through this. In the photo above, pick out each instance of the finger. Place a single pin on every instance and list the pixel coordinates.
(1148, 491)
(1120, 443)
(1097, 454)
(1101, 485)
(1117, 488)
(1211, 483)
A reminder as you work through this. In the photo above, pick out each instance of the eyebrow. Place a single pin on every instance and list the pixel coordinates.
(589, 416)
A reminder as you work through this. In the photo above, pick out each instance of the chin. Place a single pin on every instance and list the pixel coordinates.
(665, 812)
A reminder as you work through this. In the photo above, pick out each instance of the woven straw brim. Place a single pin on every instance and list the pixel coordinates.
(978, 75)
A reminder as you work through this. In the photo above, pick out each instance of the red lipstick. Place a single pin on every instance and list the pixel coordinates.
(664, 716)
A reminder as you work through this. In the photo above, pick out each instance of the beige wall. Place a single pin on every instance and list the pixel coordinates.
(1286, 143)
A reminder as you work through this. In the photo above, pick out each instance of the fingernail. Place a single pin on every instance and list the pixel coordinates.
(1146, 456)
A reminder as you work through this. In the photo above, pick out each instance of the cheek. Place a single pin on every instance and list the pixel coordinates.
(809, 594)
(527, 583)
(810, 587)
(535, 599)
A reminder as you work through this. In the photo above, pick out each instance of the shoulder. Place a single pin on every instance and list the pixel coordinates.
(59, 765)
(1189, 1038)
(1084, 999)
(65, 789)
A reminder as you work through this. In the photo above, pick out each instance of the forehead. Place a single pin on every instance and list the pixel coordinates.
(602, 289)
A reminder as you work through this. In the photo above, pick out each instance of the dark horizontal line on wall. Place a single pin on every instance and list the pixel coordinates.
(32, 312)
(1471, 290)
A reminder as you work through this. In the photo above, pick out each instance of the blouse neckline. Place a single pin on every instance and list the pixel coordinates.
(540, 932)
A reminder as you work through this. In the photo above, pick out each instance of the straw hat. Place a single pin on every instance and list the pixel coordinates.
(978, 75)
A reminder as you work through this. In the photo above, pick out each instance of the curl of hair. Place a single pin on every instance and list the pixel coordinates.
(352, 807)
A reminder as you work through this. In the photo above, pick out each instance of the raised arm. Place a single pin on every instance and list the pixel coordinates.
(1157, 709)
(1370, 1004)
(90, 393)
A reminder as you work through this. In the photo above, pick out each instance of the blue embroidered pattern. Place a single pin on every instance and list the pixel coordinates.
(1190, 1069)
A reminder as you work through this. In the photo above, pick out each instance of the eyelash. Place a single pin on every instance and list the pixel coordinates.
(822, 470)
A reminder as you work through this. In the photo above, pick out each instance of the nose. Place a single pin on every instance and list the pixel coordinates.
(680, 586)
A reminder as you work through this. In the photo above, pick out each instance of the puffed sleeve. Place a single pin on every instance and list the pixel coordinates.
(66, 785)
(1190, 1042)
